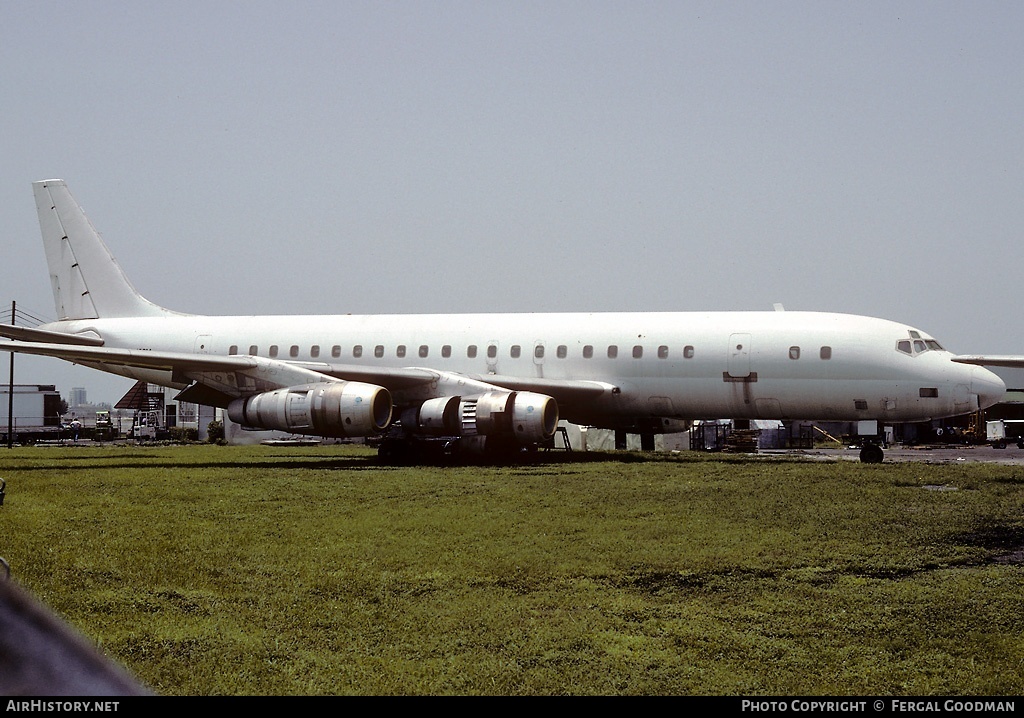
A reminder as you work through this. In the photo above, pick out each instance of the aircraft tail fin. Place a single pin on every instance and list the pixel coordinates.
(87, 281)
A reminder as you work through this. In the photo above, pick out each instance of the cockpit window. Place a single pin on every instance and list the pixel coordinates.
(917, 344)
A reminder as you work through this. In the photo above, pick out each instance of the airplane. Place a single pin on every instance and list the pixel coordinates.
(489, 383)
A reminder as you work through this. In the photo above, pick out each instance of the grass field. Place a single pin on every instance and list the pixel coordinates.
(258, 570)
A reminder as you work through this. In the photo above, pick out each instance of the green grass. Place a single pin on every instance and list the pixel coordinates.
(232, 570)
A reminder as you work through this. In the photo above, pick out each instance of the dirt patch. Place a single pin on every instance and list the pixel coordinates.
(1005, 541)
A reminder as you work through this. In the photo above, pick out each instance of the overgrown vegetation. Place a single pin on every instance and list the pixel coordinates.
(257, 570)
(183, 434)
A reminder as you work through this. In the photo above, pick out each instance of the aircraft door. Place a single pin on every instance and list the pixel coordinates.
(203, 342)
(492, 357)
(963, 400)
(739, 355)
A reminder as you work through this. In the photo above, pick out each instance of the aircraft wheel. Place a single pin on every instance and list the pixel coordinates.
(394, 451)
(871, 454)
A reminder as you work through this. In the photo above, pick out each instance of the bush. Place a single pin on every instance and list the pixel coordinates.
(183, 434)
(215, 432)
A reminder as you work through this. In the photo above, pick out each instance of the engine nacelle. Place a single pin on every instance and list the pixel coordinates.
(336, 409)
(527, 417)
(434, 417)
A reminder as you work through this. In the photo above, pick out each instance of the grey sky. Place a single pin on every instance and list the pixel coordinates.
(331, 157)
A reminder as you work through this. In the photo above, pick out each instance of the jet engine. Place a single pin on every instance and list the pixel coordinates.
(336, 409)
(434, 417)
(523, 416)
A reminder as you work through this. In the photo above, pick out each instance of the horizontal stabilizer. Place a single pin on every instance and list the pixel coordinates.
(28, 334)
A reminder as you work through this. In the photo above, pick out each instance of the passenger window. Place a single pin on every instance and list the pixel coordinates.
(471, 351)
(688, 351)
(638, 352)
(314, 351)
(400, 351)
(424, 350)
(515, 351)
(446, 351)
(492, 351)
(825, 353)
(378, 351)
(663, 352)
(253, 350)
(233, 349)
(538, 351)
(613, 351)
(794, 352)
(357, 351)
(562, 352)
(336, 351)
(273, 350)
(588, 351)
(294, 351)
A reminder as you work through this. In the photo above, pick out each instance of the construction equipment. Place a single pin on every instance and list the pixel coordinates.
(104, 430)
(146, 426)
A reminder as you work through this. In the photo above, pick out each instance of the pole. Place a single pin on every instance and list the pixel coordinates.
(10, 390)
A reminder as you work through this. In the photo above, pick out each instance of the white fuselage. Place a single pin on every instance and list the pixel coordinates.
(665, 366)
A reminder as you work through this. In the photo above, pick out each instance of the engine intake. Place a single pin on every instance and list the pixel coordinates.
(335, 409)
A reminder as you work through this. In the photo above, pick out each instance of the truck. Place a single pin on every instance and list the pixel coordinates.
(996, 433)
(148, 426)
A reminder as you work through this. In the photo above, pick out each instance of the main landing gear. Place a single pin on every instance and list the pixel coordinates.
(871, 453)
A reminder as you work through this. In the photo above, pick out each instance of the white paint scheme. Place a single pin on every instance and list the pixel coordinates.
(743, 364)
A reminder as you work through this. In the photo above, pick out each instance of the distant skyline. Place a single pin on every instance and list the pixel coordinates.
(367, 157)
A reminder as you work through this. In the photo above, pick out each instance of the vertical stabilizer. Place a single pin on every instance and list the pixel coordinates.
(87, 282)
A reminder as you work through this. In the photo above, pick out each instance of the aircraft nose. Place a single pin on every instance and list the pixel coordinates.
(988, 386)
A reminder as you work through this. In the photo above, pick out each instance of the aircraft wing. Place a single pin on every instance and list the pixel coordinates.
(391, 378)
(137, 358)
(184, 363)
(399, 379)
(1013, 361)
(561, 390)
(419, 383)
(216, 380)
